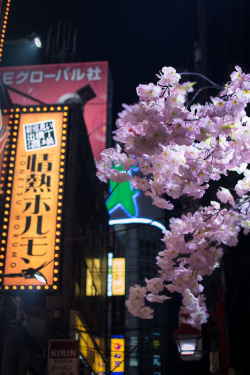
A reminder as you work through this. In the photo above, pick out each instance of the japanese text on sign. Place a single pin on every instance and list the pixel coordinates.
(39, 135)
(39, 76)
(117, 355)
(34, 222)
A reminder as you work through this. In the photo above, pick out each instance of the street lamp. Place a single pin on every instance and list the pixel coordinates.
(31, 39)
(37, 41)
(188, 341)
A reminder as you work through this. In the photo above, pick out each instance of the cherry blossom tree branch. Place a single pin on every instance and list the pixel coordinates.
(199, 144)
(213, 84)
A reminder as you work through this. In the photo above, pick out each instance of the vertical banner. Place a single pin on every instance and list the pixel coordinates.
(89, 348)
(63, 357)
(34, 169)
(118, 277)
(117, 355)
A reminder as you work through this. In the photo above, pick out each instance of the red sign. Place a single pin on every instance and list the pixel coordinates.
(85, 83)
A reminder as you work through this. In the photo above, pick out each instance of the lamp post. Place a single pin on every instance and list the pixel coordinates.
(188, 340)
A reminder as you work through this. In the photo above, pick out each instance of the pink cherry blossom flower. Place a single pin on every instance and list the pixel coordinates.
(168, 76)
(148, 92)
(140, 183)
(198, 317)
(154, 285)
(146, 313)
(243, 186)
(157, 298)
(245, 224)
(237, 74)
(225, 196)
(189, 300)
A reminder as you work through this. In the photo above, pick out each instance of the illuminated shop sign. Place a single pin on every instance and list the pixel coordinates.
(109, 276)
(118, 277)
(93, 277)
(117, 355)
(127, 205)
(33, 168)
(124, 197)
(89, 349)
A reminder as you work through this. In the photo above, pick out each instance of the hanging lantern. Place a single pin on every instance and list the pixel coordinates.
(188, 341)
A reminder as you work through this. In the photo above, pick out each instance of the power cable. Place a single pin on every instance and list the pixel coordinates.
(129, 226)
(92, 332)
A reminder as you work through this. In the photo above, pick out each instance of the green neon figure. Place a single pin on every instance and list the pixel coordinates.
(122, 196)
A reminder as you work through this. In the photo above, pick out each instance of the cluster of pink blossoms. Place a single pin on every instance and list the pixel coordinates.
(179, 150)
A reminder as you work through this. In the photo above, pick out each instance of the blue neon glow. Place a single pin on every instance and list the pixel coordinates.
(128, 198)
(138, 220)
(121, 206)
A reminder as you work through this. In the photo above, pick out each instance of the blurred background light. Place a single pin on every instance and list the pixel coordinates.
(37, 42)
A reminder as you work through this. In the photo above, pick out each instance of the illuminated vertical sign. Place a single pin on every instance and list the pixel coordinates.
(117, 355)
(34, 166)
(89, 348)
(118, 277)
(109, 277)
(93, 279)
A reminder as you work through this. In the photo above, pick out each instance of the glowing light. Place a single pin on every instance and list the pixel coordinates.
(38, 42)
(188, 348)
(118, 277)
(123, 196)
(138, 220)
(117, 351)
(109, 278)
(38, 272)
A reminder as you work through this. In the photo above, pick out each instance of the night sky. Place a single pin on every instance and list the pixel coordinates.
(136, 37)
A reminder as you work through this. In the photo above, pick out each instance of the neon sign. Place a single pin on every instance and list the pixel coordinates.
(31, 229)
(127, 205)
(123, 196)
(117, 355)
